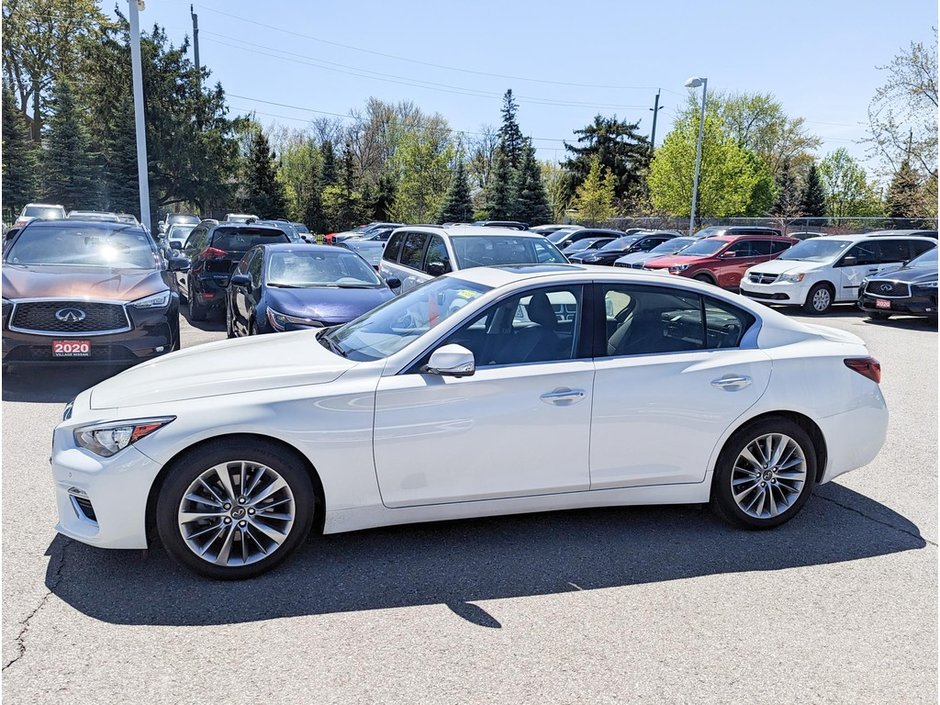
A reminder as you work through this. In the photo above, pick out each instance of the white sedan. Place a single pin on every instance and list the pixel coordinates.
(488, 391)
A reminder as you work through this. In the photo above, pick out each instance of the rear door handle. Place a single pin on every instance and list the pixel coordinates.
(732, 383)
(563, 397)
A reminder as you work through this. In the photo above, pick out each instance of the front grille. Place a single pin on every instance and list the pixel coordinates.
(80, 317)
(84, 508)
(761, 278)
(877, 287)
(637, 265)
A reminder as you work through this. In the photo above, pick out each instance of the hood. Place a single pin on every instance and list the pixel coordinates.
(226, 367)
(89, 283)
(787, 266)
(635, 257)
(909, 275)
(675, 260)
(327, 304)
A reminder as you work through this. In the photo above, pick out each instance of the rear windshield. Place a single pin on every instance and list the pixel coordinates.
(243, 239)
(45, 212)
(124, 247)
(490, 250)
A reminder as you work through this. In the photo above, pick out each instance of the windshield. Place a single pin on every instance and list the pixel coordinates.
(819, 249)
(84, 246)
(705, 247)
(584, 244)
(304, 269)
(301, 228)
(492, 250)
(674, 245)
(387, 329)
(243, 239)
(620, 244)
(928, 259)
(560, 235)
(44, 212)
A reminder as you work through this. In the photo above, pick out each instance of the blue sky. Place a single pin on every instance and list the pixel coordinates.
(818, 57)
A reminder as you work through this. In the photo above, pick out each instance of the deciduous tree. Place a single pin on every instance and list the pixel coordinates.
(848, 192)
(594, 198)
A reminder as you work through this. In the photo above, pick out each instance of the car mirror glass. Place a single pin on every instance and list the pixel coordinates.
(451, 361)
(393, 282)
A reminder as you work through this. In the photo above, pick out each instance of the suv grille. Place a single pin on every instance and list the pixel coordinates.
(761, 278)
(79, 317)
(887, 288)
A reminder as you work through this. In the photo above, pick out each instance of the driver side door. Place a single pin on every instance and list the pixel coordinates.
(519, 426)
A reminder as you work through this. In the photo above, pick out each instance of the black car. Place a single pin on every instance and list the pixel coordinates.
(562, 238)
(296, 287)
(588, 244)
(909, 291)
(511, 224)
(212, 251)
(614, 250)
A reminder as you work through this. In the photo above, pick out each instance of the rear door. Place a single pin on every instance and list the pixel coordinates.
(863, 259)
(388, 265)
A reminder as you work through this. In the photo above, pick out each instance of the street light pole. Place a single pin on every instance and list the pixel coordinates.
(695, 83)
(137, 74)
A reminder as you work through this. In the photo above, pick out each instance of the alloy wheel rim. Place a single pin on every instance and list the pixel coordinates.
(768, 476)
(236, 513)
(821, 299)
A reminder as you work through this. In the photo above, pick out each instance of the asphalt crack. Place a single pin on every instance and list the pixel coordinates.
(24, 624)
(912, 534)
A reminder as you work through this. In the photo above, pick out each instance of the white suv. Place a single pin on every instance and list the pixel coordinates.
(417, 253)
(822, 271)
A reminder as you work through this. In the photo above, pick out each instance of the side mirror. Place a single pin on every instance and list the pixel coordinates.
(393, 283)
(161, 227)
(436, 269)
(729, 255)
(849, 261)
(451, 361)
(240, 280)
(178, 264)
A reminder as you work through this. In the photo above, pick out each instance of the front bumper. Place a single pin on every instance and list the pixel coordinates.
(774, 293)
(918, 304)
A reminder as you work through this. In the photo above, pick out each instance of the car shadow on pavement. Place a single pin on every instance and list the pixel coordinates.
(463, 562)
(214, 324)
(53, 385)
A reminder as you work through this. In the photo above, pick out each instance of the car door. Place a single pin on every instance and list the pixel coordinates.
(436, 257)
(674, 369)
(388, 265)
(242, 305)
(860, 261)
(193, 246)
(518, 426)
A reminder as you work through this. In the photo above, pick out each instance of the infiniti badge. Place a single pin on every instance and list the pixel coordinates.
(70, 315)
(886, 287)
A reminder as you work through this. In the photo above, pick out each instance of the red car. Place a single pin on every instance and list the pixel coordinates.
(722, 260)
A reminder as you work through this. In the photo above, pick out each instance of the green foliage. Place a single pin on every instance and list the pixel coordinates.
(498, 194)
(787, 204)
(556, 189)
(343, 200)
(511, 140)
(848, 192)
(264, 193)
(20, 165)
(71, 177)
(529, 201)
(458, 207)
(328, 168)
(422, 162)
(620, 149)
(383, 203)
(594, 198)
(906, 197)
(733, 182)
(813, 200)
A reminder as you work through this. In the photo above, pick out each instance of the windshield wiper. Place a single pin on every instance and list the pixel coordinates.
(356, 286)
(331, 344)
(283, 286)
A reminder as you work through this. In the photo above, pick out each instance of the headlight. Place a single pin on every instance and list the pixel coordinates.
(790, 278)
(679, 268)
(927, 285)
(160, 300)
(280, 320)
(108, 439)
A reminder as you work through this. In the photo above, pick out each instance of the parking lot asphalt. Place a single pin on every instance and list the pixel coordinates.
(652, 604)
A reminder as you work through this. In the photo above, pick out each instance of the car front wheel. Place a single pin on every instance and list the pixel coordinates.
(235, 509)
(765, 474)
(819, 299)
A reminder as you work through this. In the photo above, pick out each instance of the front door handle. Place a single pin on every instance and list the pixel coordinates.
(732, 383)
(563, 397)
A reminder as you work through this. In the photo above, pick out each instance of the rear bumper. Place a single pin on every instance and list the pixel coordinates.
(854, 438)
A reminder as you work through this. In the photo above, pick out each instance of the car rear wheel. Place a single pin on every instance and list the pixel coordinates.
(235, 509)
(765, 474)
(819, 299)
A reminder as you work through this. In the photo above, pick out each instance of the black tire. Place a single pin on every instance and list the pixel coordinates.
(197, 311)
(192, 464)
(878, 315)
(704, 278)
(819, 299)
(722, 499)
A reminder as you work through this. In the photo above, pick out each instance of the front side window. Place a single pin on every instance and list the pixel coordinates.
(534, 326)
(393, 248)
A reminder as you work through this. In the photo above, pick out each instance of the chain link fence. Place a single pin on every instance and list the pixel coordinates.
(826, 226)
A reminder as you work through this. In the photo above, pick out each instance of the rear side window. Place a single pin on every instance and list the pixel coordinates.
(242, 239)
(892, 251)
(761, 247)
(413, 250)
(778, 246)
(918, 248)
(393, 248)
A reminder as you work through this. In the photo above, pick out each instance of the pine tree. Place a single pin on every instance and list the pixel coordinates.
(530, 203)
(904, 193)
(813, 202)
(20, 171)
(787, 204)
(328, 170)
(119, 183)
(311, 199)
(384, 199)
(498, 196)
(343, 199)
(71, 175)
(510, 136)
(265, 194)
(458, 207)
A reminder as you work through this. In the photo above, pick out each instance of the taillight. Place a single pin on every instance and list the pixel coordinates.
(865, 366)
(214, 252)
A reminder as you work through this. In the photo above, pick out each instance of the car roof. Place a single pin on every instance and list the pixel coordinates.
(78, 222)
(470, 230)
(734, 237)
(856, 237)
(305, 247)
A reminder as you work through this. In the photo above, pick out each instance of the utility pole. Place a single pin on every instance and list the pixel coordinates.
(656, 108)
(138, 80)
(195, 40)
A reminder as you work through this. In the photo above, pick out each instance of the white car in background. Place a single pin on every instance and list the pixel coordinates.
(45, 211)
(472, 395)
(821, 271)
